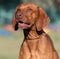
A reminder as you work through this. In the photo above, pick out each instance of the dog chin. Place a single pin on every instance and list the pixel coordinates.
(23, 26)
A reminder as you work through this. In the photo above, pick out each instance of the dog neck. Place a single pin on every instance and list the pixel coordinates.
(26, 32)
(40, 32)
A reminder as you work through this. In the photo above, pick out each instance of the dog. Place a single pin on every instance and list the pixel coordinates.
(37, 44)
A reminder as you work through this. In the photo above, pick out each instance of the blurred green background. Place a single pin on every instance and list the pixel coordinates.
(10, 40)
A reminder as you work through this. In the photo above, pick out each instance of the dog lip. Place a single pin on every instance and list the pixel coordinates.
(23, 22)
(23, 25)
(27, 23)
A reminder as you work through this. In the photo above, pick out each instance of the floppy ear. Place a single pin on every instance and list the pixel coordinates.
(14, 23)
(42, 20)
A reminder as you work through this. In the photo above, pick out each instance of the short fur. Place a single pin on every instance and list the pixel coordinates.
(37, 44)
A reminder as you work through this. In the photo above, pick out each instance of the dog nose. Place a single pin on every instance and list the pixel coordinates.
(19, 15)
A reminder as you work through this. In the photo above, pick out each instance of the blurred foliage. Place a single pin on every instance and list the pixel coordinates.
(7, 8)
(7, 4)
(42, 3)
(6, 16)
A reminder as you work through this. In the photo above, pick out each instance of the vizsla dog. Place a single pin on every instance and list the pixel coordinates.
(37, 44)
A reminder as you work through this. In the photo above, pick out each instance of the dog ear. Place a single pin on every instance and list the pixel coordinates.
(15, 24)
(42, 20)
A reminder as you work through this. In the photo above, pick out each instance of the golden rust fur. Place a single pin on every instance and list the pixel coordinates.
(37, 44)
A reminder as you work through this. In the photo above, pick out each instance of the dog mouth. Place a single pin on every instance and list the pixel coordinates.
(24, 25)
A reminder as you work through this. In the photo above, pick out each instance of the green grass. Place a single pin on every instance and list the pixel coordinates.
(9, 46)
(55, 36)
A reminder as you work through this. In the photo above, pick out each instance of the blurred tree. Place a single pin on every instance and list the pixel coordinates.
(7, 4)
(43, 3)
(54, 12)
(57, 4)
(7, 8)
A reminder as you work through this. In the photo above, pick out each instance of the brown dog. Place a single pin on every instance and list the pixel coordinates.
(37, 44)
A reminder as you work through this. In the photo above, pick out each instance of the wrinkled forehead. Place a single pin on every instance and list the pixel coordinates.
(26, 6)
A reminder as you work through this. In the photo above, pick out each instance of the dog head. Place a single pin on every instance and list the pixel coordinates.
(27, 15)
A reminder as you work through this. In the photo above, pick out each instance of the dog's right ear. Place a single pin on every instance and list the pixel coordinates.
(15, 23)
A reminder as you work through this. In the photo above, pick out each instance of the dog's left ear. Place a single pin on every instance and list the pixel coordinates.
(42, 20)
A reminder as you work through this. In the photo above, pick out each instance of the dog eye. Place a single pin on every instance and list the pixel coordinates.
(19, 10)
(29, 9)
(27, 23)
